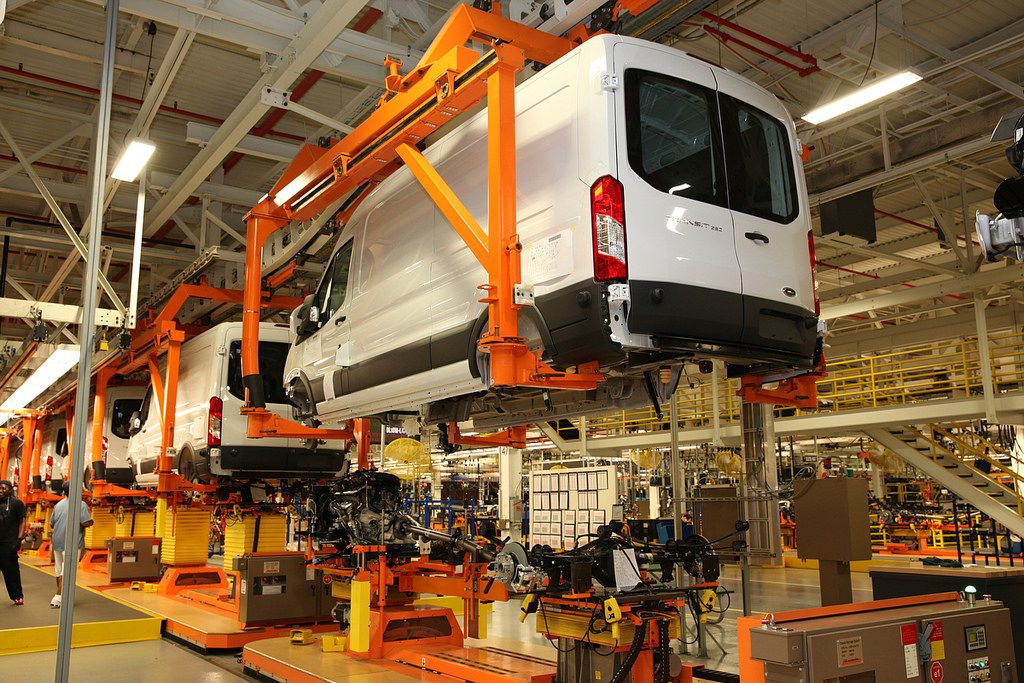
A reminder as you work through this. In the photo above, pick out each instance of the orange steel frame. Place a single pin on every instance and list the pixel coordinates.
(449, 79)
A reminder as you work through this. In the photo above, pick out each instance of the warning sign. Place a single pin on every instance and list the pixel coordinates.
(908, 635)
(851, 651)
(937, 641)
(936, 672)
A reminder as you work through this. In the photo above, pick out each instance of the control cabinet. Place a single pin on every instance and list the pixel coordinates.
(133, 558)
(947, 641)
(279, 587)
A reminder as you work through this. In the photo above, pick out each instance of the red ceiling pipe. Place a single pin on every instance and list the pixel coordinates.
(367, 21)
(125, 98)
(725, 37)
(64, 169)
(919, 225)
(876, 277)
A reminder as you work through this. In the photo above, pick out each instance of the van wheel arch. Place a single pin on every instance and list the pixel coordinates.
(188, 466)
(300, 390)
(480, 328)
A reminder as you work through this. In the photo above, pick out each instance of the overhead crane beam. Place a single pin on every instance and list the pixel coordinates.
(449, 79)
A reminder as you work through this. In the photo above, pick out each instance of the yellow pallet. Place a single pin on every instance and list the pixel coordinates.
(186, 537)
(104, 522)
(240, 536)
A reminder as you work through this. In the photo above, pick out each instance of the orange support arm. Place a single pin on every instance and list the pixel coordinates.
(98, 412)
(28, 435)
(37, 449)
(513, 437)
(5, 453)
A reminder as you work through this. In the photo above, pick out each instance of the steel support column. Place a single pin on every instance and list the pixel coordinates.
(86, 331)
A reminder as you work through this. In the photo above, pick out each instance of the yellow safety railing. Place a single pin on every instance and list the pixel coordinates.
(944, 370)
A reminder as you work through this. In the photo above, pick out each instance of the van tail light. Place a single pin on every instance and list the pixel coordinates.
(216, 413)
(609, 229)
(814, 280)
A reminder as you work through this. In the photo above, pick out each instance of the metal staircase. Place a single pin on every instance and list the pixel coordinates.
(960, 464)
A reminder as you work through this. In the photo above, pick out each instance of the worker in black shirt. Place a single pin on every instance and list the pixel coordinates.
(12, 531)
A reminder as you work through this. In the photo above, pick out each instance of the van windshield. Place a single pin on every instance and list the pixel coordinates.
(272, 357)
(121, 415)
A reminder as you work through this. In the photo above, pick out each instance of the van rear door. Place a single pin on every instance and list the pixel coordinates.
(770, 225)
(684, 276)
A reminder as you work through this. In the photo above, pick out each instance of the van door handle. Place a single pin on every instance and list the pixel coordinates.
(756, 236)
(339, 320)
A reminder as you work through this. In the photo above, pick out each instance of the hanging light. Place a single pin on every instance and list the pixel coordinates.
(63, 358)
(133, 159)
(859, 98)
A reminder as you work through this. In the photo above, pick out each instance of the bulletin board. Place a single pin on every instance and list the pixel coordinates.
(568, 504)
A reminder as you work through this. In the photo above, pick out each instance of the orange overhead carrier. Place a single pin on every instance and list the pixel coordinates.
(450, 79)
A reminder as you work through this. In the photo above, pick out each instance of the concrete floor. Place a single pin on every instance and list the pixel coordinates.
(772, 590)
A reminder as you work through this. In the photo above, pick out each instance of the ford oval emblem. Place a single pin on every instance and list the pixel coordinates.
(789, 291)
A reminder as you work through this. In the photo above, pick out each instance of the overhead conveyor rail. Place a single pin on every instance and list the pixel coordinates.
(449, 79)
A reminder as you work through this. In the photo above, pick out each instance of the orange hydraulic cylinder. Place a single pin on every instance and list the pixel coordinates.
(260, 225)
(37, 449)
(98, 411)
(170, 391)
(5, 453)
(28, 430)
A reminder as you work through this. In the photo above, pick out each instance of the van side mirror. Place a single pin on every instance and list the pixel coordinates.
(304, 318)
(135, 423)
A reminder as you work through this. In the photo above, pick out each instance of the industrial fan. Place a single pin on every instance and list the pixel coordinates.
(406, 458)
(645, 459)
(729, 463)
(883, 458)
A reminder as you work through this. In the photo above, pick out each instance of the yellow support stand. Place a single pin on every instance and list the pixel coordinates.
(104, 522)
(240, 535)
(186, 537)
(161, 516)
(136, 524)
(359, 622)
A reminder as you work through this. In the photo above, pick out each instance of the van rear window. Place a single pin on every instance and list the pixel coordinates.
(121, 415)
(272, 358)
(686, 140)
(672, 134)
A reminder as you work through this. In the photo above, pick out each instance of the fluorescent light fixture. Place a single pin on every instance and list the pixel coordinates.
(133, 159)
(859, 98)
(63, 358)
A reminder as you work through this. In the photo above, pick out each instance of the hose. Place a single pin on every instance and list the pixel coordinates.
(631, 655)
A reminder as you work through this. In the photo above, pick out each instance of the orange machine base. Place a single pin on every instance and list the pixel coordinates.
(95, 561)
(279, 660)
(185, 577)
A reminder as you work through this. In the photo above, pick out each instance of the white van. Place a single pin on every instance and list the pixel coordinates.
(663, 217)
(122, 400)
(209, 430)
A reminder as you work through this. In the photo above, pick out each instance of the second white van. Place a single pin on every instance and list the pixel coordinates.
(209, 431)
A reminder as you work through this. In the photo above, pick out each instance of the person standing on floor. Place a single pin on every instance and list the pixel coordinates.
(12, 531)
(58, 522)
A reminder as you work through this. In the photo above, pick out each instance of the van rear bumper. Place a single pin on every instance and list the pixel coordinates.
(726, 324)
(271, 461)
